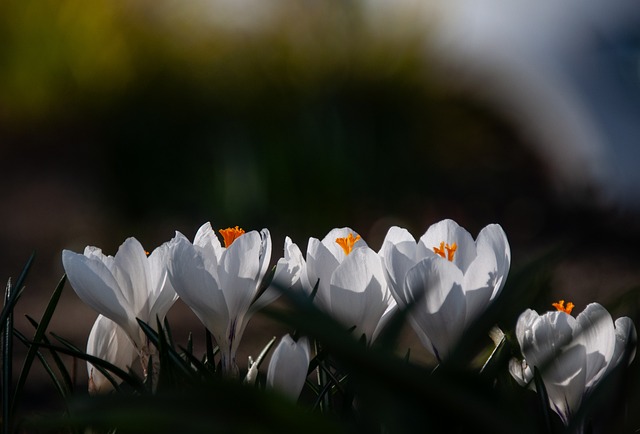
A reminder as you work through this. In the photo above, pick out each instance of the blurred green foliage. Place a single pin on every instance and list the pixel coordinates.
(321, 113)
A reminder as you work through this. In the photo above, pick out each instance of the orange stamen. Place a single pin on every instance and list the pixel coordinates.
(230, 235)
(446, 251)
(347, 243)
(561, 307)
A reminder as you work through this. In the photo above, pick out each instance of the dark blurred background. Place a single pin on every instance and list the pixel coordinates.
(141, 118)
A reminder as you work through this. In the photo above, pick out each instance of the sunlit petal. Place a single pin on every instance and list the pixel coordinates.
(449, 232)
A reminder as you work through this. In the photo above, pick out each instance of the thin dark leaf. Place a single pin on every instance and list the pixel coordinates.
(64, 393)
(210, 360)
(17, 291)
(168, 334)
(7, 359)
(58, 361)
(39, 334)
(70, 349)
(200, 367)
(161, 344)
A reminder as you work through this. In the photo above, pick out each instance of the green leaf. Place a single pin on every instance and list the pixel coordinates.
(7, 361)
(69, 349)
(56, 358)
(39, 334)
(17, 292)
(174, 358)
(64, 392)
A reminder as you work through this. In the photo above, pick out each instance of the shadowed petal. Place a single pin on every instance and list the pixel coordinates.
(626, 338)
(440, 311)
(108, 342)
(161, 292)
(320, 265)
(358, 293)
(398, 253)
(288, 367)
(287, 275)
(597, 334)
(493, 239)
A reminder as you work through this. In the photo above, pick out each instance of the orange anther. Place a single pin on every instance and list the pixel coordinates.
(446, 251)
(561, 307)
(347, 243)
(230, 235)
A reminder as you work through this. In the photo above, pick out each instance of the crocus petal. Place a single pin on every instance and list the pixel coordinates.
(109, 342)
(358, 293)
(386, 316)
(521, 372)
(239, 273)
(398, 253)
(441, 306)
(206, 237)
(197, 287)
(161, 293)
(132, 273)
(264, 255)
(626, 339)
(320, 265)
(449, 232)
(479, 283)
(329, 241)
(288, 366)
(492, 238)
(597, 334)
(565, 381)
(287, 275)
(547, 343)
(542, 339)
(94, 283)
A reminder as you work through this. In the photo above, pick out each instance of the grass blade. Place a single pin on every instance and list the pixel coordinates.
(56, 358)
(38, 336)
(7, 357)
(18, 288)
(161, 344)
(59, 387)
(71, 350)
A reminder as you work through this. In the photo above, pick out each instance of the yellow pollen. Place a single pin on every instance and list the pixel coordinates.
(230, 235)
(561, 307)
(347, 243)
(446, 251)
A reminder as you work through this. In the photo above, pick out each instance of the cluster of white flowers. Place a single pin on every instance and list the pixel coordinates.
(446, 280)
(573, 354)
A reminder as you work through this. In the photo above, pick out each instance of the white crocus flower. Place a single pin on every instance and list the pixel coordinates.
(446, 278)
(288, 366)
(573, 354)
(109, 342)
(124, 287)
(351, 286)
(221, 284)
